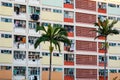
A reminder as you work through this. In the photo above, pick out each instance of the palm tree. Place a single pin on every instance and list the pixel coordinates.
(54, 35)
(104, 29)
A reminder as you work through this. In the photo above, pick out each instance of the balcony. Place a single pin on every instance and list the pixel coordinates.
(32, 27)
(20, 11)
(68, 4)
(19, 57)
(68, 73)
(19, 42)
(70, 30)
(34, 58)
(68, 16)
(69, 48)
(101, 74)
(20, 26)
(33, 73)
(31, 42)
(101, 48)
(19, 73)
(69, 59)
(102, 7)
(101, 61)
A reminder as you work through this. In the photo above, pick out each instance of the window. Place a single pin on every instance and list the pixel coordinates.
(46, 9)
(6, 20)
(113, 71)
(19, 55)
(45, 24)
(45, 54)
(6, 36)
(112, 44)
(118, 71)
(45, 69)
(118, 19)
(57, 69)
(118, 44)
(113, 57)
(6, 51)
(34, 10)
(57, 11)
(5, 67)
(111, 18)
(6, 4)
(57, 54)
(112, 5)
(57, 25)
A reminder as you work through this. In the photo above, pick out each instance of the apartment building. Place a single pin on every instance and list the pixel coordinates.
(84, 60)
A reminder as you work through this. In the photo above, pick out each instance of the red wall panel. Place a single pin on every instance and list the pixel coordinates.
(86, 73)
(86, 45)
(85, 32)
(86, 59)
(86, 4)
(85, 18)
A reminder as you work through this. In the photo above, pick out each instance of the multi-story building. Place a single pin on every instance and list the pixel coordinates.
(84, 60)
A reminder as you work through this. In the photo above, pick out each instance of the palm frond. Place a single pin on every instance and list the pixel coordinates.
(114, 31)
(38, 28)
(57, 44)
(98, 25)
(112, 23)
(98, 36)
(63, 39)
(43, 38)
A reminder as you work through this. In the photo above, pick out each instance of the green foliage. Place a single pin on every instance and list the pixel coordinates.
(105, 28)
(54, 35)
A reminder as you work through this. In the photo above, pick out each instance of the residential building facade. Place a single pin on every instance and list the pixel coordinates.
(83, 60)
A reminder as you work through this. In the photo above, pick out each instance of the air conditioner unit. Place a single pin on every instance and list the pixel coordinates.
(35, 17)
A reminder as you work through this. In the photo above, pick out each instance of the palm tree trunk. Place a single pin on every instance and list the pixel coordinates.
(50, 67)
(105, 58)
